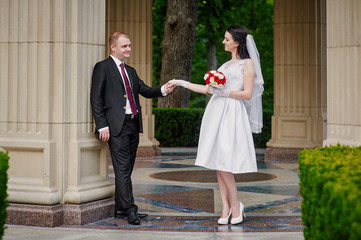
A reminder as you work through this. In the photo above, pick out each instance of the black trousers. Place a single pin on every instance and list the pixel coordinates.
(123, 150)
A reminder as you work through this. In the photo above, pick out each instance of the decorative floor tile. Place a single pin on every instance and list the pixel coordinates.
(182, 223)
(179, 196)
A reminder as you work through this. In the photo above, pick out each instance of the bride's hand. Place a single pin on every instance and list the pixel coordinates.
(207, 89)
(179, 82)
(219, 91)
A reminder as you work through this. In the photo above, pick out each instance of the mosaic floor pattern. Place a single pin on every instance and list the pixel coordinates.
(204, 224)
(179, 196)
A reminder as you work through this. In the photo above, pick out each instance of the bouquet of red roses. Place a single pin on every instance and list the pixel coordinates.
(215, 78)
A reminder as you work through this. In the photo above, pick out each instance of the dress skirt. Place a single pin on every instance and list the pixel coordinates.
(225, 141)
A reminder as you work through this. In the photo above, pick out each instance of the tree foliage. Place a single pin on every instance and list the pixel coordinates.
(214, 17)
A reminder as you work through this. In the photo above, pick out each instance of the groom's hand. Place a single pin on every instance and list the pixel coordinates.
(104, 135)
(169, 87)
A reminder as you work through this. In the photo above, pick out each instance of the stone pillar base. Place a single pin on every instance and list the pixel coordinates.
(281, 154)
(35, 215)
(80, 214)
(56, 215)
(149, 151)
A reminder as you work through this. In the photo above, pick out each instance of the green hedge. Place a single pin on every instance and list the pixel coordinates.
(4, 165)
(330, 184)
(179, 127)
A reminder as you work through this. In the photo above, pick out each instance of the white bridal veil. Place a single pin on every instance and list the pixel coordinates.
(254, 105)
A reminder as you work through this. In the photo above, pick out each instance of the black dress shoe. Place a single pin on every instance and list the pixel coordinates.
(122, 214)
(133, 218)
(142, 215)
(119, 214)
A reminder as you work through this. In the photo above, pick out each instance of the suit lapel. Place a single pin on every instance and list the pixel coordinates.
(116, 71)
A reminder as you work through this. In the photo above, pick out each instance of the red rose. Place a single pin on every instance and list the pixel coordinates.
(215, 78)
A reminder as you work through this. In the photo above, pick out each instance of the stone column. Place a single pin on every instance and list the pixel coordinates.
(134, 17)
(48, 50)
(299, 77)
(343, 72)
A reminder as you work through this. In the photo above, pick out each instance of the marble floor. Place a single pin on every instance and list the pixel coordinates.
(183, 201)
(179, 196)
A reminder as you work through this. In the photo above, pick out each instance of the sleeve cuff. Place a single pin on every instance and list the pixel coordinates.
(104, 128)
(163, 91)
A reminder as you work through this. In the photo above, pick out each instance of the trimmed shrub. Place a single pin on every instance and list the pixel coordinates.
(179, 127)
(4, 165)
(330, 184)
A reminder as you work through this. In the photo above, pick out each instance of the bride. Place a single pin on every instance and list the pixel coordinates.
(232, 114)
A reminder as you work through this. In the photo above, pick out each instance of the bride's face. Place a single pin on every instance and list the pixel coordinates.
(229, 44)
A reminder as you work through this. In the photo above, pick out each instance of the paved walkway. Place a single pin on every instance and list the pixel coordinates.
(183, 202)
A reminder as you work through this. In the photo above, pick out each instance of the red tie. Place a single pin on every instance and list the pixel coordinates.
(129, 91)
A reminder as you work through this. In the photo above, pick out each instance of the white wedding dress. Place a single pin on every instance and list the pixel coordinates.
(225, 141)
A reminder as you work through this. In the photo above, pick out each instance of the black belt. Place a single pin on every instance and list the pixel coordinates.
(130, 116)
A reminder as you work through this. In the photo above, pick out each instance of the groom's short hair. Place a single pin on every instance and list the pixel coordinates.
(115, 36)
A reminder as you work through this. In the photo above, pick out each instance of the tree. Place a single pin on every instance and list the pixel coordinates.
(177, 49)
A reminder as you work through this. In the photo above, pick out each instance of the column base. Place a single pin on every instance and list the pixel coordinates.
(149, 151)
(281, 154)
(80, 214)
(60, 214)
(35, 215)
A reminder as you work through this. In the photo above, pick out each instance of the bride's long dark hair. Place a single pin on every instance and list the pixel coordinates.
(239, 34)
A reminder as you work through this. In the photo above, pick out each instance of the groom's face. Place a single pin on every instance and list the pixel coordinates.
(122, 48)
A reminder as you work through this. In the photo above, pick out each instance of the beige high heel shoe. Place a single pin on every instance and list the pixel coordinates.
(239, 219)
(224, 221)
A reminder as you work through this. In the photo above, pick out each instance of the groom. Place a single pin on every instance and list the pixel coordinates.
(117, 112)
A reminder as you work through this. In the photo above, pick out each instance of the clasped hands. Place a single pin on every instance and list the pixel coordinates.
(169, 87)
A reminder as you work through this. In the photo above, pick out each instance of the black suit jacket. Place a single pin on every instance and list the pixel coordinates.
(108, 95)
